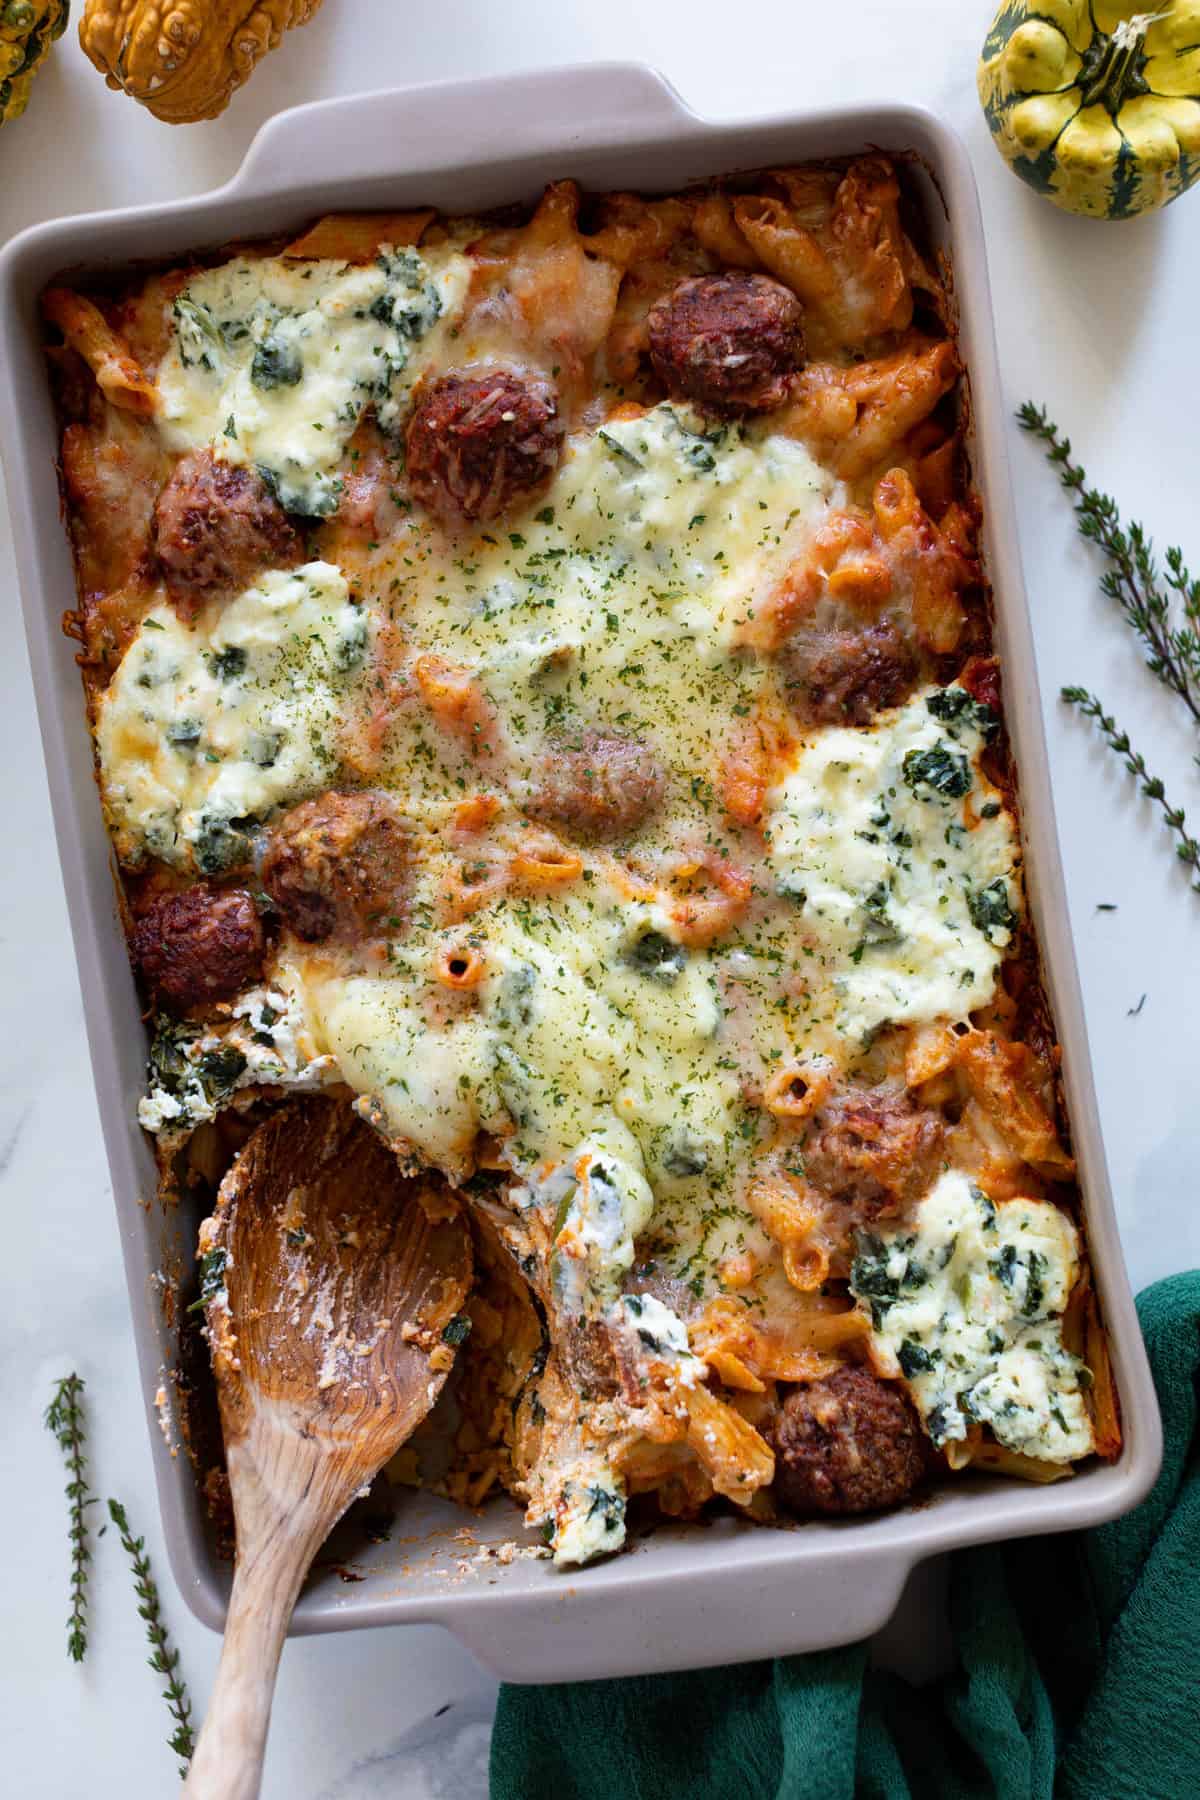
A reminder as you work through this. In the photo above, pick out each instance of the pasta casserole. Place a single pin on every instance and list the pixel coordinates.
(541, 679)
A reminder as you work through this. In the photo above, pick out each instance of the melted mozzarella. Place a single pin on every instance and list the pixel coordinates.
(903, 889)
(967, 1306)
(206, 727)
(617, 602)
(576, 1037)
(274, 361)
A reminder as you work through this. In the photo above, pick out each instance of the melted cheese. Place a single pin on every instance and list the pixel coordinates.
(968, 1308)
(207, 727)
(274, 361)
(903, 887)
(617, 602)
(577, 1040)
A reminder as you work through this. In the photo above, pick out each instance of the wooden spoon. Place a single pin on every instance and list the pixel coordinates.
(329, 1278)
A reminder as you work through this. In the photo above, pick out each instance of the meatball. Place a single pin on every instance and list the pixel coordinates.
(202, 944)
(731, 342)
(849, 1443)
(846, 677)
(478, 443)
(598, 785)
(337, 867)
(217, 527)
(873, 1149)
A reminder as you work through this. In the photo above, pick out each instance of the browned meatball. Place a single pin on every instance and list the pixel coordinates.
(729, 342)
(478, 443)
(337, 866)
(598, 785)
(850, 1443)
(846, 677)
(217, 527)
(200, 945)
(873, 1149)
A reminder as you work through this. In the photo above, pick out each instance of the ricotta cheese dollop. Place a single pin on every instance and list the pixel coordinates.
(205, 727)
(901, 861)
(966, 1304)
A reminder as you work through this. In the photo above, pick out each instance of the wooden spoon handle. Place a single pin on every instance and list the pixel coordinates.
(228, 1760)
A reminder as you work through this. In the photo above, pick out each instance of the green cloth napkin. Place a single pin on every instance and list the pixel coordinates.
(1078, 1673)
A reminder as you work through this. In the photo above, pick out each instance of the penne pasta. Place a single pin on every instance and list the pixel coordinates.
(118, 375)
(359, 237)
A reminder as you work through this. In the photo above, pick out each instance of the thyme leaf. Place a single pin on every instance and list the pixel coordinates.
(1164, 610)
(64, 1417)
(165, 1659)
(1187, 848)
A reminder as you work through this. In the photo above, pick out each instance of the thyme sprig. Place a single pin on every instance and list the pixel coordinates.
(165, 1659)
(1168, 628)
(1187, 849)
(64, 1417)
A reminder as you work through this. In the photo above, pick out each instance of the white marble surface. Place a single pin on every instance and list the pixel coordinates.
(1098, 321)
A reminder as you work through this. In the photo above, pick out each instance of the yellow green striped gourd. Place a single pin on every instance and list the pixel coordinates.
(1096, 104)
(27, 30)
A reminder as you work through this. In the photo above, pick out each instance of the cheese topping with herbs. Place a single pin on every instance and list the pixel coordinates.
(206, 728)
(900, 859)
(273, 362)
(966, 1303)
(616, 603)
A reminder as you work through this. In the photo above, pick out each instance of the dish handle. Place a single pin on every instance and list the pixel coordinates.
(546, 109)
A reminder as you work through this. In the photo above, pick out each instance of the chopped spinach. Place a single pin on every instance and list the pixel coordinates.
(955, 707)
(991, 910)
(169, 1065)
(915, 1359)
(174, 1067)
(514, 1001)
(1005, 1266)
(352, 644)
(263, 747)
(607, 1506)
(276, 364)
(616, 448)
(212, 1277)
(221, 844)
(1035, 1290)
(878, 926)
(939, 768)
(218, 1070)
(228, 663)
(200, 337)
(183, 734)
(656, 956)
(684, 1156)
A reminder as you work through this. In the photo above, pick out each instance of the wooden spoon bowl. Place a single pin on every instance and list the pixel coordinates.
(329, 1278)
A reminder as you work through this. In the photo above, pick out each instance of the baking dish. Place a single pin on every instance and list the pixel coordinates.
(684, 1596)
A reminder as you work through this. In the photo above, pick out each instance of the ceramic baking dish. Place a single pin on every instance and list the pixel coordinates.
(683, 1596)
